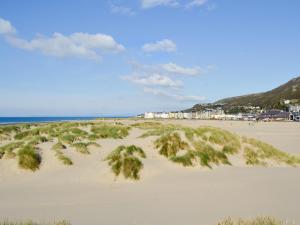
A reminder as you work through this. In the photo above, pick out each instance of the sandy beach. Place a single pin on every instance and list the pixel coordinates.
(87, 193)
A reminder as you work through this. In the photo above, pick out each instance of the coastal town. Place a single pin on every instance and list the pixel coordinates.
(292, 113)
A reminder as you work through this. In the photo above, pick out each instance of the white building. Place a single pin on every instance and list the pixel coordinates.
(149, 115)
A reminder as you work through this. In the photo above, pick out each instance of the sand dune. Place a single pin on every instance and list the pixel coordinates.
(87, 192)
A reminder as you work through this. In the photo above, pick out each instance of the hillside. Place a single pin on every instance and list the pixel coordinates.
(269, 99)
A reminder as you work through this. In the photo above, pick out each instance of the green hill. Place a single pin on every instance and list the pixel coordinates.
(268, 100)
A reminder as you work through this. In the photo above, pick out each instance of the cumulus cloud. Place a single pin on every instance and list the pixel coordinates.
(177, 97)
(175, 69)
(157, 80)
(154, 80)
(165, 45)
(80, 45)
(170, 69)
(6, 28)
(146, 4)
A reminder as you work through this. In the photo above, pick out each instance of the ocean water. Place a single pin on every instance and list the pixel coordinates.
(12, 120)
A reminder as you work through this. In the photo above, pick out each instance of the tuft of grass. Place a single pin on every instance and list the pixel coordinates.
(185, 160)
(67, 138)
(257, 152)
(255, 221)
(58, 148)
(8, 150)
(81, 147)
(208, 155)
(126, 160)
(109, 131)
(28, 158)
(63, 222)
(170, 144)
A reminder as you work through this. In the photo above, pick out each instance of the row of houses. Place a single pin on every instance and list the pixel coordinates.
(219, 114)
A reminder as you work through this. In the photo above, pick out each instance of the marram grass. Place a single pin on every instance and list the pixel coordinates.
(229, 221)
(28, 158)
(7, 222)
(126, 160)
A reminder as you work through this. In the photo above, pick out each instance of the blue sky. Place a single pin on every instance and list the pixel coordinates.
(92, 57)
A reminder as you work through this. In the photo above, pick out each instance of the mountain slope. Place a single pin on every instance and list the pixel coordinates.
(269, 99)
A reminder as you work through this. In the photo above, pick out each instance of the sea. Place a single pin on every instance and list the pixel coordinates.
(14, 120)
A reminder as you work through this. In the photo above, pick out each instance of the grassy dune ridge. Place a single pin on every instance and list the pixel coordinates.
(228, 221)
(202, 146)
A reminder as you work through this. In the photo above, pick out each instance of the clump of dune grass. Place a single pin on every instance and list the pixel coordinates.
(255, 221)
(64, 222)
(230, 142)
(28, 158)
(110, 131)
(147, 125)
(58, 149)
(67, 138)
(170, 144)
(82, 147)
(8, 150)
(126, 160)
(257, 152)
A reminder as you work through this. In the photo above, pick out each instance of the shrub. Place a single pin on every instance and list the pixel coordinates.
(126, 159)
(28, 158)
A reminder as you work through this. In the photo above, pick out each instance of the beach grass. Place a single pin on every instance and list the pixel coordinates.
(28, 158)
(255, 221)
(126, 160)
(257, 153)
(106, 130)
(169, 145)
(7, 222)
(58, 149)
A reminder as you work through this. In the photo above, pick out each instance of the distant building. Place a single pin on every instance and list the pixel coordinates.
(149, 115)
(274, 115)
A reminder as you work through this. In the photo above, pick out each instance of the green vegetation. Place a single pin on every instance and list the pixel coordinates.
(228, 221)
(64, 222)
(28, 158)
(210, 146)
(8, 150)
(126, 160)
(58, 148)
(256, 221)
(110, 131)
(204, 146)
(257, 153)
(170, 144)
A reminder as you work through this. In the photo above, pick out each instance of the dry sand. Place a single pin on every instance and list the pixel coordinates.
(167, 194)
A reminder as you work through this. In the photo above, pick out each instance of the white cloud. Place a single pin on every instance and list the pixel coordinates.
(6, 28)
(177, 97)
(146, 4)
(122, 10)
(154, 80)
(165, 45)
(170, 69)
(196, 3)
(80, 45)
(175, 69)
